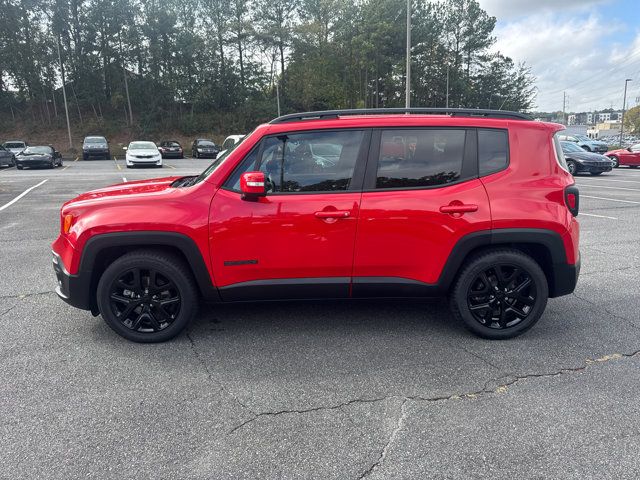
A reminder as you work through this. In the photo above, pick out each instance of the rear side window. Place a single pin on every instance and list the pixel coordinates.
(493, 151)
(420, 158)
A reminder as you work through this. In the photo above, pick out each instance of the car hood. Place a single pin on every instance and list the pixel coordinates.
(146, 151)
(594, 157)
(142, 187)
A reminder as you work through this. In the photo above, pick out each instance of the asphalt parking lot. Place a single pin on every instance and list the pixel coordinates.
(331, 390)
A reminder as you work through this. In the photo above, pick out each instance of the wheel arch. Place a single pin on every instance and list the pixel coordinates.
(101, 250)
(544, 246)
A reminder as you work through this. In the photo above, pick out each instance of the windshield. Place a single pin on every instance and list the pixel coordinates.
(218, 161)
(206, 143)
(171, 144)
(570, 147)
(584, 138)
(14, 145)
(37, 151)
(142, 146)
(95, 140)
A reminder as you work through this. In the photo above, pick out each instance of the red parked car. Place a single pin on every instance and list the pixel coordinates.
(625, 156)
(337, 204)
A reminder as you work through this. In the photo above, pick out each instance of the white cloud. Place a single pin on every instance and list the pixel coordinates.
(506, 9)
(574, 53)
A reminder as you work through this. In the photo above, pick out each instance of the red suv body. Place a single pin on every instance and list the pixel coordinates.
(474, 204)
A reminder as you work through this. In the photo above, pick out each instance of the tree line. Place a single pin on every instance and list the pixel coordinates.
(198, 65)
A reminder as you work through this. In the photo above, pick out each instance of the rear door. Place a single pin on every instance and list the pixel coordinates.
(421, 196)
(298, 240)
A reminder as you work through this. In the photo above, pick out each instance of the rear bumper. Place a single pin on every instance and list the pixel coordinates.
(565, 279)
(73, 289)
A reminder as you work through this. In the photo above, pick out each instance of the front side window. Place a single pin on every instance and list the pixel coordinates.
(304, 162)
(420, 158)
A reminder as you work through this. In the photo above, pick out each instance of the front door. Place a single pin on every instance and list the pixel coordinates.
(421, 196)
(298, 240)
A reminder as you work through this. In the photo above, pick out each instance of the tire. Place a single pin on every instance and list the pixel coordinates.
(515, 313)
(19, 167)
(572, 166)
(85, 158)
(596, 173)
(615, 160)
(150, 317)
(52, 164)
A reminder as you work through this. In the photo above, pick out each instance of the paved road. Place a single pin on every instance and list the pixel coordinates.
(379, 389)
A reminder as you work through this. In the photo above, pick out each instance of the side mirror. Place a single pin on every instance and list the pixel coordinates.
(253, 185)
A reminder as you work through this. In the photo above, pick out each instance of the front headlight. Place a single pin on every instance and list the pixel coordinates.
(200, 149)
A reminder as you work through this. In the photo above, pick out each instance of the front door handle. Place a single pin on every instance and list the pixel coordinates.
(458, 207)
(333, 214)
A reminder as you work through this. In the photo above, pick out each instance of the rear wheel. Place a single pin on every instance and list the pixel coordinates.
(147, 296)
(500, 294)
(615, 160)
(633, 166)
(572, 166)
(19, 167)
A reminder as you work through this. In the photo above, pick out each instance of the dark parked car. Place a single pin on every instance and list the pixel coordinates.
(203, 148)
(39, 156)
(7, 158)
(171, 149)
(96, 147)
(579, 160)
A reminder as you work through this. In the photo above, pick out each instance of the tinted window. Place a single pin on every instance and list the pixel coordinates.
(420, 158)
(293, 163)
(228, 143)
(95, 140)
(38, 151)
(206, 143)
(493, 151)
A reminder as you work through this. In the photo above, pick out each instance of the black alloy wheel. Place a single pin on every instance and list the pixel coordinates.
(499, 294)
(573, 168)
(147, 296)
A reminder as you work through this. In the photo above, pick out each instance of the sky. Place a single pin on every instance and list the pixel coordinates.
(586, 48)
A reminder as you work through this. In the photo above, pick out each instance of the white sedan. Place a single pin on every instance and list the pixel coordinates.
(143, 153)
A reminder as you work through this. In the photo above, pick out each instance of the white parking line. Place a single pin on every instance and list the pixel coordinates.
(597, 216)
(608, 180)
(610, 199)
(607, 186)
(6, 205)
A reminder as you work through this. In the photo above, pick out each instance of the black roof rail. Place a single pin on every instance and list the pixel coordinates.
(455, 112)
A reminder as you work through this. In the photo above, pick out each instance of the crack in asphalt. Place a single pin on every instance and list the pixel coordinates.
(383, 454)
(25, 295)
(485, 391)
(210, 375)
(605, 309)
(7, 311)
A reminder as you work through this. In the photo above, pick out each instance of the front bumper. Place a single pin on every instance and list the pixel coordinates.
(95, 153)
(594, 168)
(34, 162)
(73, 289)
(6, 162)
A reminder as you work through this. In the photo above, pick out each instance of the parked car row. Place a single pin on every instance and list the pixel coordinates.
(19, 154)
(584, 154)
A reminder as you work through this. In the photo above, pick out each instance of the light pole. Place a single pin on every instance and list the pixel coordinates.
(64, 93)
(407, 102)
(624, 105)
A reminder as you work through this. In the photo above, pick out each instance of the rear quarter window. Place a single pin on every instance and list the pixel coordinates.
(493, 151)
(559, 154)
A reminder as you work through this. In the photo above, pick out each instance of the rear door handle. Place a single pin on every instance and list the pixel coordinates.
(458, 208)
(333, 214)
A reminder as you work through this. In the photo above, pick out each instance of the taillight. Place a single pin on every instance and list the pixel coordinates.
(572, 199)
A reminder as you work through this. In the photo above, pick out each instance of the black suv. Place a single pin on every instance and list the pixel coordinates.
(95, 147)
(203, 148)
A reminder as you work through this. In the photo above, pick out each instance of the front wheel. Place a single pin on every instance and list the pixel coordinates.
(147, 296)
(573, 168)
(19, 167)
(500, 294)
(616, 161)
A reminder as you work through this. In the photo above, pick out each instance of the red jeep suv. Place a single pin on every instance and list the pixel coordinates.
(474, 204)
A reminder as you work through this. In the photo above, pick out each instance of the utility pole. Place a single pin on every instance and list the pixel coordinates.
(447, 104)
(624, 105)
(126, 83)
(564, 106)
(278, 95)
(407, 102)
(64, 93)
